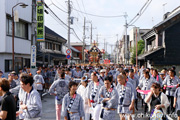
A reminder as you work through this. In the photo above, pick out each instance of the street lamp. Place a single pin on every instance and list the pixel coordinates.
(23, 6)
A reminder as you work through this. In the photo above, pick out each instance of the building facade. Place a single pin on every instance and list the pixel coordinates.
(22, 38)
(162, 43)
(52, 51)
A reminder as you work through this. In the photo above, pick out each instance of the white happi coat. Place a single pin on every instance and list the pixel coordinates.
(112, 103)
(128, 98)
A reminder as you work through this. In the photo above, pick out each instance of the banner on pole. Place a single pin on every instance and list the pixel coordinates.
(33, 56)
(40, 22)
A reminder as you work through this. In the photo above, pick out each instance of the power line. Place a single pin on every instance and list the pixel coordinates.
(97, 15)
(55, 15)
(84, 7)
(142, 10)
(75, 34)
(80, 9)
(78, 28)
(59, 8)
(57, 21)
(59, 4)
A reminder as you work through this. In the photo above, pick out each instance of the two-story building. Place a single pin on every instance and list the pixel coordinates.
(162, 42)
(22, 36)
(53, 50)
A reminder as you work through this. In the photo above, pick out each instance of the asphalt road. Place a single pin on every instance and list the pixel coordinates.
(48, 112)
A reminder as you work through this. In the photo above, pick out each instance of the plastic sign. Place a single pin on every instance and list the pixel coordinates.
(68, 51)
(40, 21)
(68, 56)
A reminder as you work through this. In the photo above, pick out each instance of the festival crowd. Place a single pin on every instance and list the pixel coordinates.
(86, 92)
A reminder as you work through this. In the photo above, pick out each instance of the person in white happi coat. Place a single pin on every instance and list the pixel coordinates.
(39, 82)
(59, 89)
(102, 75)
(157, 77)
(177, 102)
(134, 81)
(93, 95)
(31, 104)
(146, 84)
(82, 91)
(173, 81)
(109, 99)
(77, 72)
(126, 98)
(72, 105)
(68, 74)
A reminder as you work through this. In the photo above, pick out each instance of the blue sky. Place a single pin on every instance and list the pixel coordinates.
(107, 28)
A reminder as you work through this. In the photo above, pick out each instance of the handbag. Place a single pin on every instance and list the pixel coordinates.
(159, 114)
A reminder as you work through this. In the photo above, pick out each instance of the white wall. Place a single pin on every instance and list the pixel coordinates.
(24, 13)
(20, 45)
(3, 26)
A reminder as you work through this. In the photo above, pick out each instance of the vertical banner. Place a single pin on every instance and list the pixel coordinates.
(40, 21)
(33, 56)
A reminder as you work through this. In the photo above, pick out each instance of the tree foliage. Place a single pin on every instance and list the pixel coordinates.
(140, 51)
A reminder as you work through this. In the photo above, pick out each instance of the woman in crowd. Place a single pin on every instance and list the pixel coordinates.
(157, 99)
(72, 106)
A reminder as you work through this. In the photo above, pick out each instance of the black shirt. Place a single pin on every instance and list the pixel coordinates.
(8, 104)
(155, 101)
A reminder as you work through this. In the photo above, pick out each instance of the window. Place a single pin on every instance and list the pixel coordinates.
(50, 46)
(46, 45)
(20, 28)
(57, 47)
(8, 65)
(54, 46)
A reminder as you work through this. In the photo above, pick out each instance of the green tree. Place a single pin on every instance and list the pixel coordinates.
(140, 51)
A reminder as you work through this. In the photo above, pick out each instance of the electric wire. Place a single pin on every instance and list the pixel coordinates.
(142, 10)
(75, 34)
(98, 15)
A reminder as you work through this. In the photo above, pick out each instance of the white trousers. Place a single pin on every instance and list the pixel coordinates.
(96, 112)
(87, 116)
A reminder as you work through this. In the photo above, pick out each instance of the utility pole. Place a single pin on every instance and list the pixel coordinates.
(97, 39)
(84, 28)
(104, 47)
(126, 44)
(33, 32)
(69, 23)
(136, 49)
(91, 34)
(117, 49)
